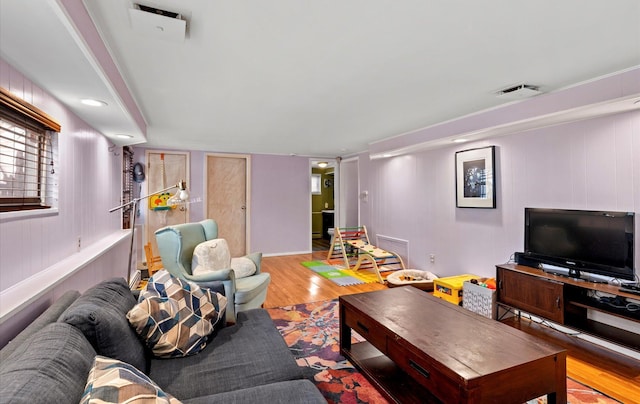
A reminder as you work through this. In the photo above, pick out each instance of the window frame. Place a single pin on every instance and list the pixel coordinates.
(316, 179)
(37, 126)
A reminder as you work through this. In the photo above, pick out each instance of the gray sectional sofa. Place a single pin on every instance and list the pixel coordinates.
(247, 362)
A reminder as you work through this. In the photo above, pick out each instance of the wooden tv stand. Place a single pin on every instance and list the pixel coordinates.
(564, 301)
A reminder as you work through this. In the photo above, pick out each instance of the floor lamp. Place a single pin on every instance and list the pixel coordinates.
(181, 196)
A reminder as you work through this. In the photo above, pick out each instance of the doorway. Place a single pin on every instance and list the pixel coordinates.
(323, 203)
(163, 170)
(227, 194)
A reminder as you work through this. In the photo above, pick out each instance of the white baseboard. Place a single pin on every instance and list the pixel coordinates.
(286, 253)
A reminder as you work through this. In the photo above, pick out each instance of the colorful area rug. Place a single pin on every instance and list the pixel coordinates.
(312, 333)
(339, 275)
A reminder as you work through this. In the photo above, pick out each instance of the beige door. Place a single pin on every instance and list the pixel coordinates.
(163, 170)
(227, 200)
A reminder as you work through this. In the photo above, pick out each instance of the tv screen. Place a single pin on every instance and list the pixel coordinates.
(584, 241)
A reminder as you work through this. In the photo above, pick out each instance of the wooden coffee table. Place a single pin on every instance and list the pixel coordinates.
(421, 349)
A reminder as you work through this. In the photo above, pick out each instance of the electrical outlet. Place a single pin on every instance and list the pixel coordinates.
(79, 243)
(432, 258)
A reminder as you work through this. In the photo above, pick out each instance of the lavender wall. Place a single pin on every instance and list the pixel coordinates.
(89, 184)
(349, 194)
(590, 164)
(280, 204)
(280, 221)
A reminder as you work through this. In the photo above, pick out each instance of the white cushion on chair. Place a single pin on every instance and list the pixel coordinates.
(243, 267)
(211, 255)
(214, 255)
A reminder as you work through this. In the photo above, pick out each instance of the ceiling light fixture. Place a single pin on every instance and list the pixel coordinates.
(123, 136)
(323, 164)
(93, 103)
(460, 140)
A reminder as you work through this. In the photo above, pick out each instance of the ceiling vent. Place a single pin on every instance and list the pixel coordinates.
(519, 92)
(156, 23)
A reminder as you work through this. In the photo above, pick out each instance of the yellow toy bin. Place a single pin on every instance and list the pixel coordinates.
(450, 288)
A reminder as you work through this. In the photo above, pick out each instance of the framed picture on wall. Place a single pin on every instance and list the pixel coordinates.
(475, 178)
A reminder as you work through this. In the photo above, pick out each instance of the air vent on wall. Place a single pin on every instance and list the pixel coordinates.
(157, 23)
(518, 92)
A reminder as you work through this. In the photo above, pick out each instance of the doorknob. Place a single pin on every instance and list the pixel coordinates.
(243, 207)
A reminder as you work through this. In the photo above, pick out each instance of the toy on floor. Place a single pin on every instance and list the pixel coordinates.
(352, 246)
(414, 277)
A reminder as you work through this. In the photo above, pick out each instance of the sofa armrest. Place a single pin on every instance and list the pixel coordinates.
(50, 367)
(50, 315)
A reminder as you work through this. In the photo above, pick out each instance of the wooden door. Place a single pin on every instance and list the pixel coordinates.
(164, 169)
(227, 199)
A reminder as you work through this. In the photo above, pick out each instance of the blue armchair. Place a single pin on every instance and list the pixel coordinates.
(176, 245)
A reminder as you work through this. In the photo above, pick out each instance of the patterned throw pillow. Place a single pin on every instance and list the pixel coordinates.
(114, 381)
(175, 317)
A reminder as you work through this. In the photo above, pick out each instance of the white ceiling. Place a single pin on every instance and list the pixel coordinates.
(314, 78)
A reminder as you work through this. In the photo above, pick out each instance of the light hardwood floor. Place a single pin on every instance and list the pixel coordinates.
(609, 372)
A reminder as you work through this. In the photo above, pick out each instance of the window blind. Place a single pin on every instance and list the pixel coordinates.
(28, 149)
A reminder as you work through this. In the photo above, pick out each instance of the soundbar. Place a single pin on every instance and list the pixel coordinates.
(521, 259)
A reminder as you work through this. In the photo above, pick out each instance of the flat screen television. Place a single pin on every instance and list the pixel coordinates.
(596, 242)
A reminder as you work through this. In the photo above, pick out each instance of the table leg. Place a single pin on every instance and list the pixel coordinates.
(345, 332)
(560, 395)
